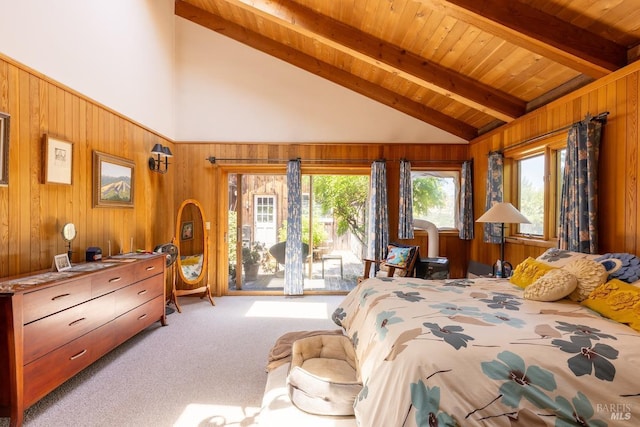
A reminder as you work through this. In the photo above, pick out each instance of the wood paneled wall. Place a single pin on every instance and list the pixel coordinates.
(32, 213)
(619, 192)
(197, 178)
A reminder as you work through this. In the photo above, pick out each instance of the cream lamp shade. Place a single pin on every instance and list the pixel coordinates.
(503, 212)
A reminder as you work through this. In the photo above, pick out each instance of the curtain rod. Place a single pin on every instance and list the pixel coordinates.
(213, 160)
(600, 117)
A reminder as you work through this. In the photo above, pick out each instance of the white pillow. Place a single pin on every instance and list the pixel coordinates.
(590, 275)
(552, 286)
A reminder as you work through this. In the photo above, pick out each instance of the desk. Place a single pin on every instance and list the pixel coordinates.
(329, 256)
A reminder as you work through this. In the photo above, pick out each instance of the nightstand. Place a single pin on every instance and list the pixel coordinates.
(433, 268)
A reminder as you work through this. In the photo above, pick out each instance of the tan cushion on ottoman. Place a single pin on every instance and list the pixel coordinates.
(324, 377)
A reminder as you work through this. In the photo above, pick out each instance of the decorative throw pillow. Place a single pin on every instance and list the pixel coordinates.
(611, 265)
(397, 256)
(559, 257)
(554, 285)
(629, 270)
(191, 260)
(590, 275)
(528, 271)
(616, 300)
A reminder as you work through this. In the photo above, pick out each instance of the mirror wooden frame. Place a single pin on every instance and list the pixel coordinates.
(203, 278)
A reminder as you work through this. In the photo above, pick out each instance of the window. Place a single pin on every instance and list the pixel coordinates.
(561, 156)
(435, 197)
(531, 194)
(535, 186)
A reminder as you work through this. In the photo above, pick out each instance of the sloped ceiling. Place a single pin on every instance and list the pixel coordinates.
(464, 66)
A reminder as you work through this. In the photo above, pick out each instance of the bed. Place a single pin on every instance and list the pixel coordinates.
(475, 352)
(191, 266)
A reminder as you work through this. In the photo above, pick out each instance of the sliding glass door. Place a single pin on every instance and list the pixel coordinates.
(333, 209)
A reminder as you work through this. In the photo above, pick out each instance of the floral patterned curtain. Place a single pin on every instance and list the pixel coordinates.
(466, 201)
(495, 194)
(405, 209)
(378, 220)
(293, 277)
(578, 212)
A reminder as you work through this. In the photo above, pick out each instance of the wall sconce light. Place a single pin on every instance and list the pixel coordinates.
(155, 163)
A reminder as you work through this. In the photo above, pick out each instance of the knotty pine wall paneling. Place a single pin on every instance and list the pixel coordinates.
(619, 164)
(197, 178)
(32, 213)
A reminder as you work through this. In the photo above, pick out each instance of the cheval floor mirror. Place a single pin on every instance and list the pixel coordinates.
(193, 253)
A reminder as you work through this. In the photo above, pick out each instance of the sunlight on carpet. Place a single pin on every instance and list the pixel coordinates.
(217, 415)
(288, 309)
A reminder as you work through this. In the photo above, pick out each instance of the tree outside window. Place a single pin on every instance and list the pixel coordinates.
(436, 197)
(531, 194)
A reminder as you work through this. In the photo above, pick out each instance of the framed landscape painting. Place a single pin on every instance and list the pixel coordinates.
(112, 181)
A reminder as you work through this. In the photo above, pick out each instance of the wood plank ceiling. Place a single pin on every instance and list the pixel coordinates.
(464, 66)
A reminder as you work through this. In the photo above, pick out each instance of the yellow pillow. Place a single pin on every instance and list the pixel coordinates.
(528, 271)
(617, 301)
(191, 260)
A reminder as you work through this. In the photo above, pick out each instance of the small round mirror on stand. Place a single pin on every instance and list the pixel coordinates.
(68, 234)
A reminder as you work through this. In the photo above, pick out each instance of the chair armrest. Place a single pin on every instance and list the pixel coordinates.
(367, 266)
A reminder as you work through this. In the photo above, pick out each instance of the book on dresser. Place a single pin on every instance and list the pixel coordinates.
(55, 324)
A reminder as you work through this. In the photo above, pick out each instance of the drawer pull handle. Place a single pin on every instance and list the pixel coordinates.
(115, 279)
(77, 321)
(151, 267)
(59, 296)
(142, 317)
(82, 353)
(142, 292)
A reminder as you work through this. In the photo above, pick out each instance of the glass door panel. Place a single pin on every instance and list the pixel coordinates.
(332, 226)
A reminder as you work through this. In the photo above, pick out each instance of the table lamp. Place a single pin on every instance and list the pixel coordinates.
(503, 213)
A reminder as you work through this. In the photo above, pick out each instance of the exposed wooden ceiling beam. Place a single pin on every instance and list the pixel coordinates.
(327, 71)
(388, 57)
(538, 32)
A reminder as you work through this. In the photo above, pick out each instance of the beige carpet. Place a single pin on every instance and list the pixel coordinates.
(207, 368)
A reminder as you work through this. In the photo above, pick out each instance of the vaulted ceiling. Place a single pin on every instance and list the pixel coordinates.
(464, 66)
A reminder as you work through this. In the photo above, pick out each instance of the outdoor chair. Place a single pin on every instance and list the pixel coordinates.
(278, 250)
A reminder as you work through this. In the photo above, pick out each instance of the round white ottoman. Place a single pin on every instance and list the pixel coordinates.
(324, 378)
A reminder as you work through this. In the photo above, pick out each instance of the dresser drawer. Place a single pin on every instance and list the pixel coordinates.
(47, 373)
(54, 331)
(138, 319)
(137, 294)
(110, 280)
(43, 302)
(149, 267)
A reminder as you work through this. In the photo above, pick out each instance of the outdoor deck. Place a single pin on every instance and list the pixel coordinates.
(352, 267)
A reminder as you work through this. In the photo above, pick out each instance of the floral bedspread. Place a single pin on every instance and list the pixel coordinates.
(476, 353)
(191, 266)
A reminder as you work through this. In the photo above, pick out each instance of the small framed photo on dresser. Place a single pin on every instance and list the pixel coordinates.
(62, 262)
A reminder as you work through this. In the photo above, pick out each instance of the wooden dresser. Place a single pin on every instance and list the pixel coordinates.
(53, 325)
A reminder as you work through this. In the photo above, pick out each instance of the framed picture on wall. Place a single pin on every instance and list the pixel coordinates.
(112, 181)
(5, 119)
(186, 231)
(58, 160)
